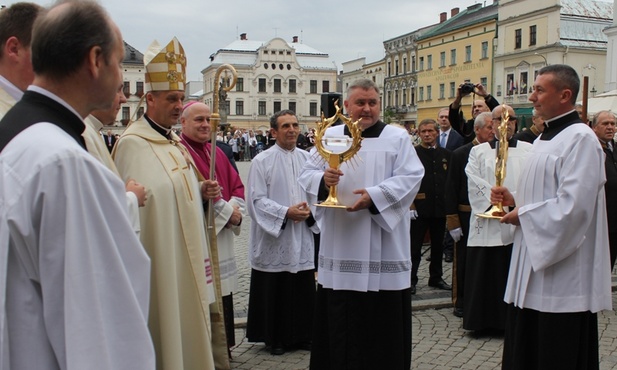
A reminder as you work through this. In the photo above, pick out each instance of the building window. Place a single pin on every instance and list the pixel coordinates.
(523, 83)
(396, 67)
(468, 53)
(313, 109)
(262, 85)
(404, 65)
(421, 66)
(442, 91)
(140, 112)
(292, 86)
(484, 49)
(140, 88)
(240, 84)
(484, 82)
(313, 87)
(292, 106)
(126, 89)
(277, 106)
(277, 86)
(518, 38)
(261, 108)
(413, 63)
(510, 84)
(396, 98)
(239, 107)
(429, 92)
(452, 89)
(429, 62)
(442, 59)
(532, 35)
(452, 57)
(420, 93)
(325, 86)
(126, 114)
(389, 69)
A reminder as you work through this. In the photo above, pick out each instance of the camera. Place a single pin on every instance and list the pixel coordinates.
(467, 88)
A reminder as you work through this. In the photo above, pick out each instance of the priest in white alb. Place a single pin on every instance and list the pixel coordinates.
(488, 249)
(559, 275)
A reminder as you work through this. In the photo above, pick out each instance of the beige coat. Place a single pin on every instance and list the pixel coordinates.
(173, 234)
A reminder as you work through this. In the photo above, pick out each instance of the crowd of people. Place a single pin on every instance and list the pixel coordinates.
(118, 252)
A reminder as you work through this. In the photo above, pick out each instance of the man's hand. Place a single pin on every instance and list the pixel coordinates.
(331, 176)
(235, 219)
(139, 191)
(456, 234)
(298, 212)
(210, 189)
(481, 90)
(511, 218)
(364, 202)
(413, 214)
(501, 194)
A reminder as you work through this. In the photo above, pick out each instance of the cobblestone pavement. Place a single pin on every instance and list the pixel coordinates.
(438, 339)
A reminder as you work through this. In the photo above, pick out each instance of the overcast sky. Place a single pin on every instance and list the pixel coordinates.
(346, 29)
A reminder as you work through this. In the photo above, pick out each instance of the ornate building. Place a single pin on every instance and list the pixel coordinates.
(272, 76)
(400, 77)
(457, 50)
(134, 79)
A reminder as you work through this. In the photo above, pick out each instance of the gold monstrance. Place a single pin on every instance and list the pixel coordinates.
(351, 147)
(496, 211)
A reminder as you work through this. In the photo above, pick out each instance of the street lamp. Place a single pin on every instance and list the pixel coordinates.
(593, 91)
(541, 56)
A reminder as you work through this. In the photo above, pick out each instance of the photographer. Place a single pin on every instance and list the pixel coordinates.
(459, 124)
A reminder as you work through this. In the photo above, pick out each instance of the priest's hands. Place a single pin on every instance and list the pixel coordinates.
(364, 202)
(235, 219)
(503, 195)
(298, 212)
(331, 176)
(210, 189)
(139, 191)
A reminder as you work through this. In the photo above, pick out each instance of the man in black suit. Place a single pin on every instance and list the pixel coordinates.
(466, 128)
(110, 140)
(428, 209)
(448, 138)
(603, 125)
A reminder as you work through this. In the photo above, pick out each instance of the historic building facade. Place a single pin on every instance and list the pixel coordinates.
(272, 75)
(533, 34)
(457, 50)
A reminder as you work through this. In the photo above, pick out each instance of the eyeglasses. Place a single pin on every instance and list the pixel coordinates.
(511, 118)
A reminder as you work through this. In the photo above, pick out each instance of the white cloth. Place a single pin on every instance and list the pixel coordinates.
(272, 189)
(560, 259)
(77, 283)
(358, 250)
(480, 170)
(96, 147)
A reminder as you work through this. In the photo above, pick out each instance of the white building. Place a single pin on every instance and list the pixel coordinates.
(272, 75)
(535, 33)
(357, 69)
(134, 79)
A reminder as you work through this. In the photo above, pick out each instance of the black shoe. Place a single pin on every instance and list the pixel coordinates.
(458, 312)
(448, 258)
(440, 285)
(413, 289)
(277, 350)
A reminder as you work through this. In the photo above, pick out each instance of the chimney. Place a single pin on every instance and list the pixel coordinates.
(243, 36)
(442, 17)
(453, 12)
(295, 39)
